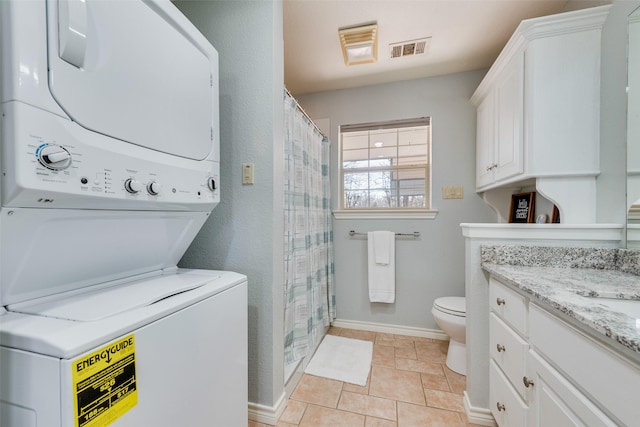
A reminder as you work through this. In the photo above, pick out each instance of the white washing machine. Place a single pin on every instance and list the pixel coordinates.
(109, 159)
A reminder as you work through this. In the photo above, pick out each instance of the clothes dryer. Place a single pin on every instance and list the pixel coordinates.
(109, 160)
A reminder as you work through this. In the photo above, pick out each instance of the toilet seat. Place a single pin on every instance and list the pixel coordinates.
(454, 306)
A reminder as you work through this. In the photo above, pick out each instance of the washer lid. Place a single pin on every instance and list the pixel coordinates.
(107, 302)
(61, 337)
(452, 305)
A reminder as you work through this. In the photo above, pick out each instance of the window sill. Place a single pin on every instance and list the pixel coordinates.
(385, 214)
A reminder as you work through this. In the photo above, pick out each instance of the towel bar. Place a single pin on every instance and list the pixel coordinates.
(415, 234)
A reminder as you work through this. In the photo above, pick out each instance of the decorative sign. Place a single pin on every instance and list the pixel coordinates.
(522, 207)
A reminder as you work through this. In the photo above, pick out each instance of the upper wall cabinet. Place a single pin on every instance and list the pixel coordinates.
(539, 111)
(499, 140)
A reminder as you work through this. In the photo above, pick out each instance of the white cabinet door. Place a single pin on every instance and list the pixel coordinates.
(506, 406)
(553, 401)
(485, 142)
(509, 112)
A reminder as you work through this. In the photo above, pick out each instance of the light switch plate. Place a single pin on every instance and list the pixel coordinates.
(247, 173)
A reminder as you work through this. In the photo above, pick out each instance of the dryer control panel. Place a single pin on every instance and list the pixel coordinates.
(56, 163)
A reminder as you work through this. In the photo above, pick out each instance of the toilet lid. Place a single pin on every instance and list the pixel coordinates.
(451, 305)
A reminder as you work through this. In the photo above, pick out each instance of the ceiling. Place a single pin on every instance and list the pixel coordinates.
(465, 35)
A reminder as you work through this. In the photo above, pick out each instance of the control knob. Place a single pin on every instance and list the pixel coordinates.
(154, 188)
(211, 183)
(54, 157)
(132, 186)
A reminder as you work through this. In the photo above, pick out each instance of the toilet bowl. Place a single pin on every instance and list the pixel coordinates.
(450, 315)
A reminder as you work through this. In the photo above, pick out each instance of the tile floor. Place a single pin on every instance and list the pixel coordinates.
(408, 386)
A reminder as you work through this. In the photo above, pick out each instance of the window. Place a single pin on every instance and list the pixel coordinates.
(386, 166)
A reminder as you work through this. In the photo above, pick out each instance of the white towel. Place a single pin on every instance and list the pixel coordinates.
(382, 266)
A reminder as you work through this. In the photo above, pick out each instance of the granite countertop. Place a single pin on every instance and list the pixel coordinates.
(577, 287)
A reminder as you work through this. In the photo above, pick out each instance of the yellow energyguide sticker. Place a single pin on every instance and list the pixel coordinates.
(104, 383)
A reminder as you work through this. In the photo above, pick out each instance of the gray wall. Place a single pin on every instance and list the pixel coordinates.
(245, 232)
(432, 266)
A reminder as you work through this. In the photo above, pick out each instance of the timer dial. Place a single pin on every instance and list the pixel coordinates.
(54, 157)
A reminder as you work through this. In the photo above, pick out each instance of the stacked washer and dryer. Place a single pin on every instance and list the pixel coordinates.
(109, 167)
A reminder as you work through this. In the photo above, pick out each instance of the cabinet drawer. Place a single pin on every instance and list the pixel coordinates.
(509, 305)
(604, 375)
(506, 406)
(509, 351)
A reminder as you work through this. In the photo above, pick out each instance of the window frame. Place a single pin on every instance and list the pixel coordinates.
(387, 212)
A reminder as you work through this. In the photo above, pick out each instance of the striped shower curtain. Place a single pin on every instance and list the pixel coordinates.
(309, 291)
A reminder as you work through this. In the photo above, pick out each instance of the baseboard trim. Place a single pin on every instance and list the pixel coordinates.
(391, 329)
(268, 414)
(476, 415)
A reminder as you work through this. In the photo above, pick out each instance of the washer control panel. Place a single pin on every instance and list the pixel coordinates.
(60, 161)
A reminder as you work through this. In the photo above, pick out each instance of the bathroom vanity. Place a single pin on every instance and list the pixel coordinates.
(564, 335)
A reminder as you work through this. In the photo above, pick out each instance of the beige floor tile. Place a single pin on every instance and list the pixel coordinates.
(358, 335)
(413, 416)
(378, 422)
(432, 351)
(457, 382)
(409, 386)
(368, 405)
(421, 366)
(435, 382)
(403, 343)
(395, 384)
(354, 388)
(256, 424)
(383, 355)
(406, 352)
(293, 412)
(384, 339)
(405, 337)
(318, 416)
(320, 391)
(444, 400)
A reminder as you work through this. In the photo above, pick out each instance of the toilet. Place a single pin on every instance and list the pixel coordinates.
(450, 315)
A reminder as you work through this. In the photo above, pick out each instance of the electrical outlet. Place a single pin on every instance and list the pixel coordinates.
(453, 192)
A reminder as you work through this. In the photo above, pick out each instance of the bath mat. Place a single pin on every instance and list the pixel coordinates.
(342, 359)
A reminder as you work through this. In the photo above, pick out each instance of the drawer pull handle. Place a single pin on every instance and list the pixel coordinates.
(500, 348)
(527, 382)
(500, 301)
(500, 407)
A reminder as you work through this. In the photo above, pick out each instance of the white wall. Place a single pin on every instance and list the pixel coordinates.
(245, 232)
(611, 183)
(432, 266)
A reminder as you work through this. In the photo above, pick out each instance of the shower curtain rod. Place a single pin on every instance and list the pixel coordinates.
(305, 113)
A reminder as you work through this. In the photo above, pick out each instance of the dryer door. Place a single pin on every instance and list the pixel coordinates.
(134, 70)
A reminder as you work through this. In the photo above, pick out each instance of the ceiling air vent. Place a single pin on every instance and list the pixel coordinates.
(409, 48)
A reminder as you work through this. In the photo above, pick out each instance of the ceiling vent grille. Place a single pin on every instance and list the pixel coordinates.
(409, 48)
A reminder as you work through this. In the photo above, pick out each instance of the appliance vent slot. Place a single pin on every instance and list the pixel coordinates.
(409, 48)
